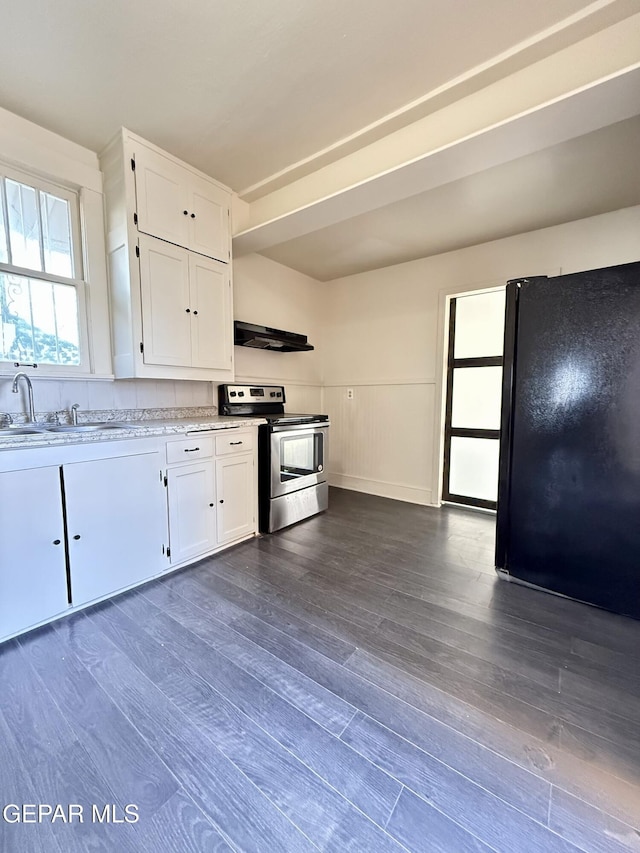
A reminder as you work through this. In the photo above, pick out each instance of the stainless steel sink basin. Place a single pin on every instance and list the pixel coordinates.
(21, 430)
(94, 427)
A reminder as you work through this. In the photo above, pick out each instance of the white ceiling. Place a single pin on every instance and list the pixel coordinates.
(592, 174)
(259, 93)
(245, 88)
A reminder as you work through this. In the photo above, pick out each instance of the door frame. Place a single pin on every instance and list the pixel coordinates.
(449, 430)
(444, 310)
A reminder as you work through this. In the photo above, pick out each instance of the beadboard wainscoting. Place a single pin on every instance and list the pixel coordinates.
(384, 337)
(386, 428)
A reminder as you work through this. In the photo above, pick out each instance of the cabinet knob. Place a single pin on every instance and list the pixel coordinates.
(77, 536)
(221, 500)
(188, 310)
(186, 212)
(194, 313)
(210, 504)
(56, 541)
(193, 216)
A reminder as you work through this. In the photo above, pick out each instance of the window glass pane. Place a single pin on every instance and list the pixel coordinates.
(39, 321)
(479, 327)
(24, 227)
(473, 469)
(4, 255)
(477, 396)
(56, 235)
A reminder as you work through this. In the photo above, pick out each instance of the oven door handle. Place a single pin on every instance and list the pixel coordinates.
(303, 429)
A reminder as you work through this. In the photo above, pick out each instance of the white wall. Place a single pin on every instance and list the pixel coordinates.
(35, 149)
(265, 293)
(52, 395)
(270, 294)
(383, 338)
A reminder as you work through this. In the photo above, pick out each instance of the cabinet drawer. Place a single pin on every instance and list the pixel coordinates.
(188, 449)
(234, 443)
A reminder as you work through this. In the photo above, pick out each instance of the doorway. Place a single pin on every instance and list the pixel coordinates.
(473, 399)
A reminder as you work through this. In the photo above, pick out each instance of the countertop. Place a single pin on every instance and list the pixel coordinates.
(142, 428)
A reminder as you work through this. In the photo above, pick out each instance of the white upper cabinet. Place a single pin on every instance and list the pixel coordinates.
(177, 205)
(210, 303)
(164, 281)
(209, 219)
(186, 302)
(168, 244)
(161, 197)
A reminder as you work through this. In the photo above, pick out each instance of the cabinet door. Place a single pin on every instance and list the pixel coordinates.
(235, 492)
(33, 575)
(116, 523)
(192, 520)
(211, 326)
(208, 219)
(166, 303)
(162, 197)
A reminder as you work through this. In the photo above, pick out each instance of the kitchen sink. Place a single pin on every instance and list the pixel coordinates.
(40, 429)
(22, 430)
(93, 427)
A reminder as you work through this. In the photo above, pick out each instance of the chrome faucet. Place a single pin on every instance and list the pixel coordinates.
(74, 413)
(32, 413)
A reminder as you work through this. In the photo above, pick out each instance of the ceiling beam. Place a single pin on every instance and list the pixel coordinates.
(582, 88)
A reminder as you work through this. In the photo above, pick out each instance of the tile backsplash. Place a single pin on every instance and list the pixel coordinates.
(56, 395)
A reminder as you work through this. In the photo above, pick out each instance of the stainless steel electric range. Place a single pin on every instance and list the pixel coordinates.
(292, 449)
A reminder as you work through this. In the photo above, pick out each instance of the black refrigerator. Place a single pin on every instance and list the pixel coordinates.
(569, 486)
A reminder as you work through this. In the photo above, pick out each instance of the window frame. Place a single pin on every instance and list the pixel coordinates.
(79, 280)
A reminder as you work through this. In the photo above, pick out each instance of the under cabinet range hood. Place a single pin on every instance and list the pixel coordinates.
(263, 337)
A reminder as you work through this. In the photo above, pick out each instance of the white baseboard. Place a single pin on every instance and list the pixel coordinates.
(396, 491)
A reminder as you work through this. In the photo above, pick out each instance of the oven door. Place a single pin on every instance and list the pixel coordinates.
(297, 457)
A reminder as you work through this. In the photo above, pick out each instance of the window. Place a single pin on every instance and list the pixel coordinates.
(41, 282)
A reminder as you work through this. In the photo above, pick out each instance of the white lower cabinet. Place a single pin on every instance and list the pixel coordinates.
(114, 536)
(192, 517)
(212, 501)
(33, 573)
(115, 523)
(79, 523)
(235, 492)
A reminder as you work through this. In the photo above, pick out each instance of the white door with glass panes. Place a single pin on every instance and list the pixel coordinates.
(474, 396)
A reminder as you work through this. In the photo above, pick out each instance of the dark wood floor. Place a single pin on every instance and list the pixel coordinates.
(360, 682)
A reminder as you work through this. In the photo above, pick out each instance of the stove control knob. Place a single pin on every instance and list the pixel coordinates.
(319, 467)
(273, 393)
(279, 394)
(232, 393)
(240, 393)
